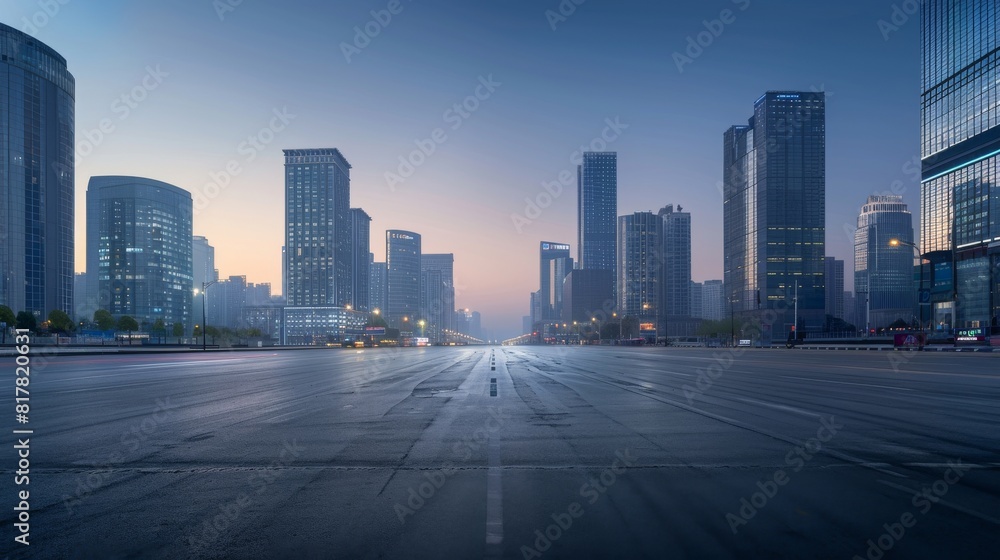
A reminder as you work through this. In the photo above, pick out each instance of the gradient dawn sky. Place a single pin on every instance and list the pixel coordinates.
(221, 79)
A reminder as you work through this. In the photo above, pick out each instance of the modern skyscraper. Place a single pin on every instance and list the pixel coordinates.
(640, 264)
(317, 228)
(774, 195)
(361, 224)
(883, 274)
(597, 205)
(226, 300)
(713, 300)
(203, 262)
(834, 287)
(378, 283)
(139, 248)
(676, 275)
(37, 159)
(697, 300)
(437, 303)
(554, 264)
(960, 150)
(586, 294)
(402, 253)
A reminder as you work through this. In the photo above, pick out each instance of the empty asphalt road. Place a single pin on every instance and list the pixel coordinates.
(524, 452)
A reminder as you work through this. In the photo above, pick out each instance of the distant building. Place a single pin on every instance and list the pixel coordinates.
(139, 248)
(318, 228)
(697, 300)
(403, 250)
(640, 264)
(84, 310)
(554, 264)
(226, 300)
(713, 300)
(774, 210)
(203, 262)
(883, 274)
(318, 326)
(834, 287)
(377, 286)
(360, 254)
(587, 294)
(437, 303)
(37, 189)
(597, 209)
(676, 262)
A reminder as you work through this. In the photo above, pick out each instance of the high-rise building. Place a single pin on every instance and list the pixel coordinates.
(774, 196)
(713, 300)
(883, 274)
(225, 303)
(960, 150)
(437, 302)
(640, 264)
(554, 264)
(402, 253)
(586, 294)
(834, 287)
(203, 271)
(37, 161)
(676, 276)
(139, 249)
(361, 224)
(317, 228)
(83, 311)
(378, 283)
(597, 207)
(697, 300)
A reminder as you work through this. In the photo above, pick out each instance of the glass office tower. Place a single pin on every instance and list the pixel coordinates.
(597, 205)
(640, 264)
(883, 274)
(554, 265)
(318, 230)
(960, 147)
(402, 253)
(139, 245)
(774, 192)
(37, 160)
(361, 224)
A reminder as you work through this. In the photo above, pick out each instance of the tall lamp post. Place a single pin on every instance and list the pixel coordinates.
(204, 326)
(920, 254)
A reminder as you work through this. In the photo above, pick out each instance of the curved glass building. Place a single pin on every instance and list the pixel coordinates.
(36, 176)
(139, 244)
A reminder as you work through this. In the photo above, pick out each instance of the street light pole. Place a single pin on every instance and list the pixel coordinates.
(204, 326)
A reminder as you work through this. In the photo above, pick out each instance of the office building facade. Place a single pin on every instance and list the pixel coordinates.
(883, 273)
(960, 151)
(774, 195)
(37, 190)
(139, 249)
(437, 303)
(377, 284)
(597, 211)
(676, 262)
(317, 228)
(403, 251)
(361, 224)
(640, 264)
(834, 277)
(554, 264)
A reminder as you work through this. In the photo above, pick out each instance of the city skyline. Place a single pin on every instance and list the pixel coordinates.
(167, 126)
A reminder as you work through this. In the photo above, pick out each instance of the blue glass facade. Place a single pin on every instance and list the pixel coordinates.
(403, 252)
(597, 200)
(883, 274)
(774, 210)
(318, 228)
(960, 197)
(139, 249)
(36, 176)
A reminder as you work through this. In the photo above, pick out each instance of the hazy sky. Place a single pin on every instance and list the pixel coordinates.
(213, 81)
